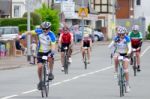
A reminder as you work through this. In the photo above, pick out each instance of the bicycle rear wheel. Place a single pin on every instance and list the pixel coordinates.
(85, 60)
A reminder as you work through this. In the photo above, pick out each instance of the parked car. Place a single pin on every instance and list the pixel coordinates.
(98, 35)
(9, 31)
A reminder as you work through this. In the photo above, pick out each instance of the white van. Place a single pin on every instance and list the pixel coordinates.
(9, 31)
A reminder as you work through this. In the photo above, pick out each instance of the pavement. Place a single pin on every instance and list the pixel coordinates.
(21, 61)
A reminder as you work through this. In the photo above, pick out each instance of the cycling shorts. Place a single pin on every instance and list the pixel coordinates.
(39, 56)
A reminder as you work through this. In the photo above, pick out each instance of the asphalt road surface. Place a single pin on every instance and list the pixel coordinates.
(97, 82)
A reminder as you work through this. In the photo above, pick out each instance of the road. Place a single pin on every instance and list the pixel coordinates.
(97, 82)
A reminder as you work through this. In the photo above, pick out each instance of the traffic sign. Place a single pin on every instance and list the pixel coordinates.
(83, 12)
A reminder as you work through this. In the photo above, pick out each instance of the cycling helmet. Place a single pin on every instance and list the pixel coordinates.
(135, 28)
(125, 29)
(121, 30)
(45, 25)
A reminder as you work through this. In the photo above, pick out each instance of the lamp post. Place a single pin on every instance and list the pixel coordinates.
(82, 20)
(29, 7)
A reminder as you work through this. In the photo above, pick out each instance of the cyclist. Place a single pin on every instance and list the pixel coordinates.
(65, 40)
(46, 45)
(136, 41)
(86, 42)
(122, 45)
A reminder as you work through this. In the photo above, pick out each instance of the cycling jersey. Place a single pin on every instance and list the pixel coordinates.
(122, 46)
(135, 39)
(86, 42)
(66, 38)
(45, 40)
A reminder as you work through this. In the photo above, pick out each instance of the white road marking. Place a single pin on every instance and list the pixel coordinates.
(8, 97)
(145, 51)
(26, 92)
(73, 78)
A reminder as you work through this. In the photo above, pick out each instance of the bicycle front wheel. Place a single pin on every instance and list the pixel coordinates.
(134, 65)
(45, 82)
(65, 65)
(121, 82)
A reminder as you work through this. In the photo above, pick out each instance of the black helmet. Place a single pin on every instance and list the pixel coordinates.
(45, 25)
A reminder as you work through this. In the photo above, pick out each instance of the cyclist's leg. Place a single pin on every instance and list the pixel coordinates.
(116, 61)
(89, 54)
(138, 60)
(83, 52)
(39, 64)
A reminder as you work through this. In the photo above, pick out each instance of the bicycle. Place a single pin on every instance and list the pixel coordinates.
(66, 63)
(85, 57)
(45, 75)
(134, 61)
(121, 76)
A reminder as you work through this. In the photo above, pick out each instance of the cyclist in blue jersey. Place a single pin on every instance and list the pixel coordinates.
(46, 46)
(122, 45)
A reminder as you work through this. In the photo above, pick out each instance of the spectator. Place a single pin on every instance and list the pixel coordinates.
(33, 51)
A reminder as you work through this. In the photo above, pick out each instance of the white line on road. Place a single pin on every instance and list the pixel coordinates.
(73, 78)
(145, 51)
(8, 97)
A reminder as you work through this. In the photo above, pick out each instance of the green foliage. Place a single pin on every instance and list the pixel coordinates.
(23, 27)
(35, 17)
(13, 21)
(148, 35)
(49, 15)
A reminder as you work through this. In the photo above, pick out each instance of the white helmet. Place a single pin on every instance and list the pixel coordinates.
(135, 27)
(121, 30)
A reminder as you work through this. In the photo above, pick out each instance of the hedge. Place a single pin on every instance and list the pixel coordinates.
(148, 35)
(23, 27)
(13, 21)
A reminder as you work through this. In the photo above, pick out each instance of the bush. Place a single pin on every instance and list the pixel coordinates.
(148, 35)
(36, 18)
(13, 21)
(23, 27)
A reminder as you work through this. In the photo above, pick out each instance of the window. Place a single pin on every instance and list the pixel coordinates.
(138, 2)
(104, 8)
(104, 2)
(97, 8)
(97, 2)
(16, 11)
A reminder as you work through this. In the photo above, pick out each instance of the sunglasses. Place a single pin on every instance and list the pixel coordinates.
(121, 34)
(45, 28)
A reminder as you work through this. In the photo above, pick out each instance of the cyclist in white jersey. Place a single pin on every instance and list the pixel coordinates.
(46, 45)
(122, 46)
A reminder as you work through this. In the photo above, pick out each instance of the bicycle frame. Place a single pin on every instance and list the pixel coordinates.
(66, 60)
(121, 76)
(134, 61)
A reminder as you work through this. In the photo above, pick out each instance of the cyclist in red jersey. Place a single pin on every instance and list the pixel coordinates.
(65, 40)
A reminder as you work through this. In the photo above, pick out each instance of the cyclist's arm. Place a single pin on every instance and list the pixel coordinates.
(53, 41)
(141, 39)
(59, 40)
(129, 45)
(71, 39)
(111, 44)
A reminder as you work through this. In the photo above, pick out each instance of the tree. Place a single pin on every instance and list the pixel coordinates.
(49, 15)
